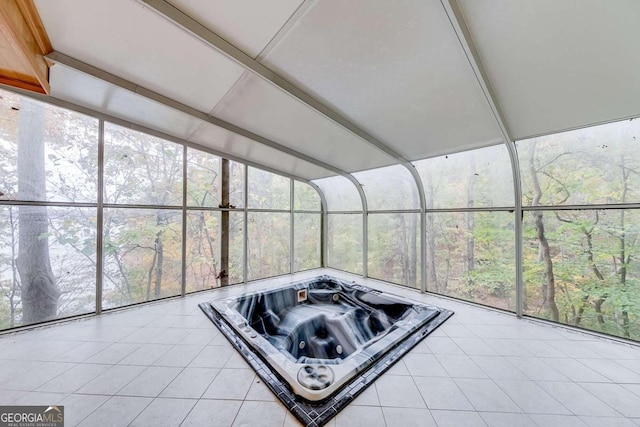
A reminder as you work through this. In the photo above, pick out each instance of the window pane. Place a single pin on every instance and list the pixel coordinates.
(389, 188)
(340, 193)
(142, 255)
(306, 240)
(46, 153)
(305, 197)
(345, 242)
(476, 178)
(471, 256)
(141, 169)
(47, 263)
(394, 248)
(599, 164)
(203, 250)
(236, 247)
(203, 179)
(268, 251)
(268, 190)
(582, 268)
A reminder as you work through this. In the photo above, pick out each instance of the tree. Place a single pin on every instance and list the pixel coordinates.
(40, 292)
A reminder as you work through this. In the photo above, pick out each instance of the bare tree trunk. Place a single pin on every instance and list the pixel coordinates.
(413, 245)
(432, 276)
(161, 219)
(471, 220)
(40, 291)
(549, 288)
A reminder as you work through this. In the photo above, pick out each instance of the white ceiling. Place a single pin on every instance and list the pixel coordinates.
(559, 64)
(395, 70)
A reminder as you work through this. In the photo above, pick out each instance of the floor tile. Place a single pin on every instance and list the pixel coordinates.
(612, 370)
(460, 366)
(260, 414)
(578, 400)
(458, 418)
(40, 398)
(190, 383)
(544, 420)
(424, 365)
(145, 355)
(575, 371)
(164, 412)
(78, 406)
(112, 380)
(74, 378)
(532, 398)
(360, 416)
(219, 413)
(230, 384)
(41, 373)
(408, 417)
(212, 357)
(259, 391)
(82, 352)
(498, 368)
(499, 419)
(616, 396)
(114, 353)
(536, 369)
(151, 382)
(179, 355)
(608, 422)
(117, 411)
(369, 397)
(485, 395)
(475, 347)
(442, 393)
(399, 392)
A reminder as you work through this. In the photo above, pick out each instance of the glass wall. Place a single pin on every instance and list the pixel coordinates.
(393, 217)
(344, 224)
(581, 261)
(51, 237)
(470, 229)
(47, 253)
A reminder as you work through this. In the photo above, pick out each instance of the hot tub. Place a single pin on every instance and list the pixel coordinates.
(320, 337)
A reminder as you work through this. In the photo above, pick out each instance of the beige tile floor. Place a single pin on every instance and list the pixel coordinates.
(166, 364)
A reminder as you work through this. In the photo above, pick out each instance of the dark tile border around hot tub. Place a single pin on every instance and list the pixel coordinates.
(317, 414)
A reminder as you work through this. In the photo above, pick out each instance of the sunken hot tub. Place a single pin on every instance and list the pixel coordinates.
(319, 343)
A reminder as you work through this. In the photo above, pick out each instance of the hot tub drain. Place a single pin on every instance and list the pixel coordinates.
(315, 377)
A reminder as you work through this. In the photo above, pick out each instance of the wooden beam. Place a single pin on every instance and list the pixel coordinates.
(23, 44)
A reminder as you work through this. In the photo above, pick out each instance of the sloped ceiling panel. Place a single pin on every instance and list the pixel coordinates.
(126, 39)
(247, 24)
(557, 65)
(260, 107)
(212, 136)
(86, 91)
(395, 69)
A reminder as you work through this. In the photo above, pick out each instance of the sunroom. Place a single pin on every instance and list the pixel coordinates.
(477, 156)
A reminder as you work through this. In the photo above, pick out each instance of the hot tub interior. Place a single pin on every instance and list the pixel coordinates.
(317, 344)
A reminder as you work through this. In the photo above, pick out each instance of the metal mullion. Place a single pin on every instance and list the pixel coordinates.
(307, 212)
(260, 210)
(183, 290)
(100, 219)
(148, 207)
(395, 211)
(479, 209)
(245, 229)
(620, 206)
(212, 209)
(291, 227)
(51, 204)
